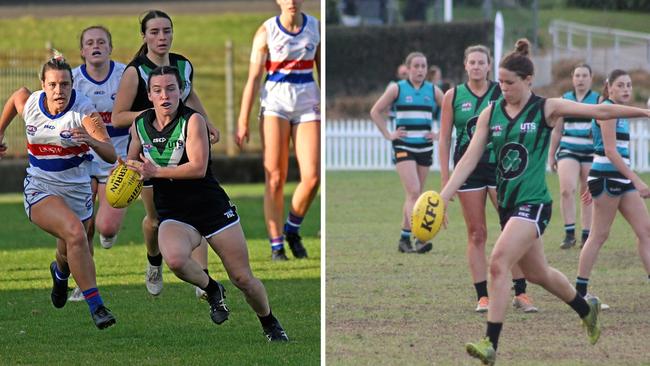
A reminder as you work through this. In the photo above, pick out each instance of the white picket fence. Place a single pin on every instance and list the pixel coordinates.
(358, 145)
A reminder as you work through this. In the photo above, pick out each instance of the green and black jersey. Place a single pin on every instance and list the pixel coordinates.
(521, 148)
(166, 148)
(466, 107)
(144, 66)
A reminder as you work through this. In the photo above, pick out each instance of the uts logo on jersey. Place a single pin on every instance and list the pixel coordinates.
(467, 106)
(65, 134)
(513, 160)
(31, 130)
(527, 127)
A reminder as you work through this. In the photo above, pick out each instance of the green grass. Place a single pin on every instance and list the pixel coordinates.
(173, 328)
(386, 308)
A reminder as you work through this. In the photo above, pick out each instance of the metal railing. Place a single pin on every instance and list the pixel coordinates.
(603, 48)
(358, 145)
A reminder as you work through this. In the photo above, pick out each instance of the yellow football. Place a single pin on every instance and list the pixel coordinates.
(427, 217)
(123, 186)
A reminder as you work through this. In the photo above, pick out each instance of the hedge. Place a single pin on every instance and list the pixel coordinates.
(364, 59)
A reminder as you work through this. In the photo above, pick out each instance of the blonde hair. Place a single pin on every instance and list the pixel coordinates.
(413, 55)
(478, 48)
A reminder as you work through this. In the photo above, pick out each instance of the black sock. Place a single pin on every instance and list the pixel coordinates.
(570, 230)
(585, 235)
(267, 320)
(156, 260)
(212, 286)
(520, 286)
(481, 289)
(580, 306)
(493, 332)
(207, 272)
(581, 286)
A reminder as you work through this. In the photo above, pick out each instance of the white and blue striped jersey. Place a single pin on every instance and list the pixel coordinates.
(102, 94)
(414, 110)
(290, 81)
(577, 131)
(53, 156)
(602, 167)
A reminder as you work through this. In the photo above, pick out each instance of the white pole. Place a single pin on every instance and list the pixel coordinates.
(230, 113)
(449, 10)
(498, 42)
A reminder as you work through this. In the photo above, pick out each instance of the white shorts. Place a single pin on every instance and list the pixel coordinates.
(306, 114)
(295, 103)
(78, 197)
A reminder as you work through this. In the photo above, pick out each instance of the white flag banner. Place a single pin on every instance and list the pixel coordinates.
(498, 42)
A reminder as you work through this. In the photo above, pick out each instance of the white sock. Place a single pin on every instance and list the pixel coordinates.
(107, 242)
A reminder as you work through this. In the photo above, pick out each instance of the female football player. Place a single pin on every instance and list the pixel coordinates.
(157, 32)
(415, 102)
(461, 107)
(573, 160)
(613, 185)
(519, 127)
(288, 48)
(62, 126)
(174, 147)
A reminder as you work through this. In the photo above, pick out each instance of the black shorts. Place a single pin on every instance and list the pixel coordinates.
(581, 158)
(209, 220)
(613, 187)
(420, 158)
(483, 176)
(540, 214)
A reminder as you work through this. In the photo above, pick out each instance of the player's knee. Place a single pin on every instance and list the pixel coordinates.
(243, 281)
(311, 181)
(176, 262)
(477, 236)
(274, 181)
(568, 193)
(598, 237)
(498, 267)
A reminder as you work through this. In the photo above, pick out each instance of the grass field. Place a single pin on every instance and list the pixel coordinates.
(386, 308)
(173, 328)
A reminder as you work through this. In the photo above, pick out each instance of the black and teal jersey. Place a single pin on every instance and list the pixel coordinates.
(166, 148)
(521, 148)
(414, 109)
(602, 167)
(577, 131)
(144, 66)
(466, 107)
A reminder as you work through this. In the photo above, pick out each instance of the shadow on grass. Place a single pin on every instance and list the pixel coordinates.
(173, 328)
(17, 232)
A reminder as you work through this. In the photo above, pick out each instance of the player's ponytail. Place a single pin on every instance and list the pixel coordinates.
(57, 62)
(518, 60)
(151, 14)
